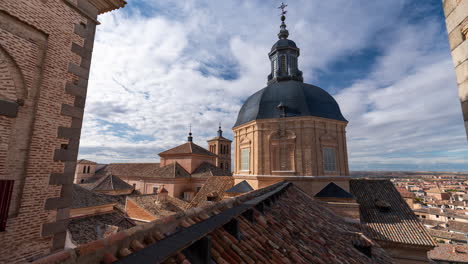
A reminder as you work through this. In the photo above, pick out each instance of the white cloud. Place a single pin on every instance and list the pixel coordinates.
(153, 74)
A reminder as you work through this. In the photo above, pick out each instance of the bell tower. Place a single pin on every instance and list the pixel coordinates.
(221, 146)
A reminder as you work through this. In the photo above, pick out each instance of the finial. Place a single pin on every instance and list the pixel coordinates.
(220, 132)
(190, 138)
(283, 34)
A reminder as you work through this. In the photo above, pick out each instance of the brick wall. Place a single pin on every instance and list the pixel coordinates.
(45, 55)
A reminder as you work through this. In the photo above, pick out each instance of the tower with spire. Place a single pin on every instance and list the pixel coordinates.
(284, 56)
(290, 130)
(221, 146)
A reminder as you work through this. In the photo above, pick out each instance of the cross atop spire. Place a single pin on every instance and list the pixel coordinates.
(282, 7)
(283, 34)
(190, 138)
(220, 132)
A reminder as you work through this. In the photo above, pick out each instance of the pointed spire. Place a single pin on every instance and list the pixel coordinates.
(190, 138)
(284, 33)
(220, 132)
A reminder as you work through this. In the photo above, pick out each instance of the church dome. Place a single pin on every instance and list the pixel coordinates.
(296, 98)
(286, 95)
(283, 43)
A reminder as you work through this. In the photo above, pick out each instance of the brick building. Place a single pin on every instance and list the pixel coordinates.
(290, 130)
(45, 56)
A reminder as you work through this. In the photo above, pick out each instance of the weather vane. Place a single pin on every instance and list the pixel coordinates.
(282, 7)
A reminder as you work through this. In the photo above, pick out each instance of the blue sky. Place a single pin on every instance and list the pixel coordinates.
(160, 65)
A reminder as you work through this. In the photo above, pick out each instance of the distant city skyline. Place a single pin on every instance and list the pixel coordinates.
(159, 66)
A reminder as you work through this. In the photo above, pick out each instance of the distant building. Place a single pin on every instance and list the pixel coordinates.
(182, 170)
(456, 20)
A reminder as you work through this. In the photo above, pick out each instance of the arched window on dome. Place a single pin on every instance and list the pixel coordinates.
(282, 149)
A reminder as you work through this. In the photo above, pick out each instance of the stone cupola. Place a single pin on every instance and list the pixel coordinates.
(284, 56)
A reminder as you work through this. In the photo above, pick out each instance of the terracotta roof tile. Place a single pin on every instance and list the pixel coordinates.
(82, 197)
(395, 224)
(293, 228)
(148, 203)
(108, 183)
(450, 253)
(85, 229)
(187, 148)
(214, 186)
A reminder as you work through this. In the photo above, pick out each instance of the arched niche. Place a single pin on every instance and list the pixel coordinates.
(15, 126)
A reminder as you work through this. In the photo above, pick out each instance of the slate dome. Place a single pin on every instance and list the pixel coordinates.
(300, 99)
(284, 43)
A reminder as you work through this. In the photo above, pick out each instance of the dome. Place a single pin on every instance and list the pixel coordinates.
(300, 99)
(284, 43)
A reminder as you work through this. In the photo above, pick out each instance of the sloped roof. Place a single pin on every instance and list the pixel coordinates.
(398, 224)
(213, 186)
(447, 235)
(130, 169)
(173, 170)
(207, 169)
(450, 253)
(241, 187)
(220, 138)
(108, 183)
(404, 192)
(294, 228)
(83, 161)
(84, 229)
(457, 226)
(82, 197)
(333, 191)
(187, 148)
(148, 203)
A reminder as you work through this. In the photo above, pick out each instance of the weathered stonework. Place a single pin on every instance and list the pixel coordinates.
(456, 19)
(40, 120)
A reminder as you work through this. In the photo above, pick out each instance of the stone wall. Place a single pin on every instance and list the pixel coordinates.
(45, 56)
(456, 14)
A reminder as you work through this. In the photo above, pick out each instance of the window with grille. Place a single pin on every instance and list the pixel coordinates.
(245, 159)
(329, 159)
(6, 190)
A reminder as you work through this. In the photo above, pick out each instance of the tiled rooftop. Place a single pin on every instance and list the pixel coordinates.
(148, 203)
(187, 148)
(450, 253)
(277, 224)
(82, 197)
(85, 229)
(108, 183)
(214, 187)
(207, 169)
(393, 223)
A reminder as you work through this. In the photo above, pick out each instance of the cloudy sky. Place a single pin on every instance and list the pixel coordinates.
(160, 65)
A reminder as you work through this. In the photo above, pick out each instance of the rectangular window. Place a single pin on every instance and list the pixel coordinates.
(245, 159)
(329, 159)
(6, 190)
(155, 189)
